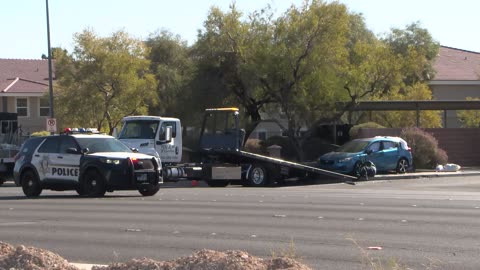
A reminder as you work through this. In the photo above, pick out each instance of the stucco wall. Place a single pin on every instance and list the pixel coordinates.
(454, 92)
(33, 122)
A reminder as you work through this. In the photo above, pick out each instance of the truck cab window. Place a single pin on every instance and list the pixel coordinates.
(139, 130)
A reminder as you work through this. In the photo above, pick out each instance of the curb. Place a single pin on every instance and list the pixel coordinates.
(425, 175)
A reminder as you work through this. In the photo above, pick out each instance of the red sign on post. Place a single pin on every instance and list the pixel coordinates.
(51, 125)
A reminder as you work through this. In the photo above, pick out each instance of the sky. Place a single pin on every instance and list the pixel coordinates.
(23, 29)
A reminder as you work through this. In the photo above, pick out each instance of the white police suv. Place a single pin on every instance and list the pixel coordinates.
(89, 164)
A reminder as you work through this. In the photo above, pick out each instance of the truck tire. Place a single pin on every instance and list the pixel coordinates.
(149, 190)
(257, 176)
(93, 184)
(217, 183)
(30, 184)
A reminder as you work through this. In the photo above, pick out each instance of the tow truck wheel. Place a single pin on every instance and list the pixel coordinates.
(257, 176)
(149, 191)
(30, 184)
(93, 184)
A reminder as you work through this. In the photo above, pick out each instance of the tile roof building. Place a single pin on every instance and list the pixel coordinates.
(457, 77)
(23, 88)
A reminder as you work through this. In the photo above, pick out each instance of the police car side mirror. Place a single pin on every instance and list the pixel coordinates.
(85, 150)
(135, 150)
(73, 150)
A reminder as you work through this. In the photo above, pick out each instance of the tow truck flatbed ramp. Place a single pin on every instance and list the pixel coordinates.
(291, 164)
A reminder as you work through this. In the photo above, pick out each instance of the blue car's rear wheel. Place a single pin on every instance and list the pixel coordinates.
(402, 165)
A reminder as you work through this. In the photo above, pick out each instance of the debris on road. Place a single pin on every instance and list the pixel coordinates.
(210, 259)
(31, 258)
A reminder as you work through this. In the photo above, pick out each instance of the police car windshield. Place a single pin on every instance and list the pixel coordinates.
(139, 129)
(95, 145)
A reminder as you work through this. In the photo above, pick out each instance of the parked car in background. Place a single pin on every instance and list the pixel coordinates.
(387, 153)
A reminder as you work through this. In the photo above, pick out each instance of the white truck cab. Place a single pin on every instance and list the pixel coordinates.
(148, 135)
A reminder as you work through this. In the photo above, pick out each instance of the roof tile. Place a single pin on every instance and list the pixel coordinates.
(32, 74)
(457, 65)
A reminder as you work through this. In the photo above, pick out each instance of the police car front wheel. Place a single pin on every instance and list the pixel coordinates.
(150, 190)
(93, 184)
(30, 184)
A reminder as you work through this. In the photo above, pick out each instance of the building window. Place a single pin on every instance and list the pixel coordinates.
(22, 106)
(44, 106)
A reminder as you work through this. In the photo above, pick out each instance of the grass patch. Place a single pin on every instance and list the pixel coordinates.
(289, 251)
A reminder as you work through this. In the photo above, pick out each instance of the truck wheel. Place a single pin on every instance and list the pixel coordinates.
(216, 183)
(257, 176)
(149, 190)
(93, 184)
(30, 184)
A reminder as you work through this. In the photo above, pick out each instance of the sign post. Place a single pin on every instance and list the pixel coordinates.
(52, 125)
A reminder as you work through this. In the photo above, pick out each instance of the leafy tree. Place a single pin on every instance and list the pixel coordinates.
(308, 48)
(469, 118)
(418, 49)
(172, 66)
(103, 80)
(231, 54)
(401, 68)
(303, 62)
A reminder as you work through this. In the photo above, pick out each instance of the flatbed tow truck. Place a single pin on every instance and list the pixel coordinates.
(219, 159)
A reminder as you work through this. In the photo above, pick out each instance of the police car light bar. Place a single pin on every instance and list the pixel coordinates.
(81, 131)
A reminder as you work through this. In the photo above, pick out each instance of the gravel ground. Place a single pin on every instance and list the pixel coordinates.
(31, 258)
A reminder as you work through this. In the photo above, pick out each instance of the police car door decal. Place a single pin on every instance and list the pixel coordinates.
(42, 157)
(66, 165)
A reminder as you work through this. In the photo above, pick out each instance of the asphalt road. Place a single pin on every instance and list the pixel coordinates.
(428, 223)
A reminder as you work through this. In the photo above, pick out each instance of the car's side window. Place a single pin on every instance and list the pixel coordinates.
(374, 147)
(67, 142)
(29, 145)
(389, 145)
(49, 146)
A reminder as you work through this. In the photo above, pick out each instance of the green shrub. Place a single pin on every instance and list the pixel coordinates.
(425, 151)
(254, 146)
(440, 157)
(40, 133)
(354, 130)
